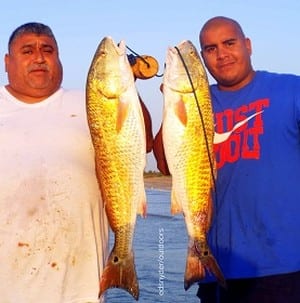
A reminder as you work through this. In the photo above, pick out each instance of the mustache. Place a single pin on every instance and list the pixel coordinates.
(35, 67)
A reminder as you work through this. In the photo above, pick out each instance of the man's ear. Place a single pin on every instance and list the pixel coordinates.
(6, 61)
(248, 45)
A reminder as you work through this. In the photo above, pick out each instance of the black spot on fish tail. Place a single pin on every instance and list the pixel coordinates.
(200, 261)
(120, 273)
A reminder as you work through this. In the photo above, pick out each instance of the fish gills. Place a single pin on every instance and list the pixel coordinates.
(188, 131)
(118, 134)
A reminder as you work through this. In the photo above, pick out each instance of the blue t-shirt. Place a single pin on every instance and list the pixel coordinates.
(256, 224)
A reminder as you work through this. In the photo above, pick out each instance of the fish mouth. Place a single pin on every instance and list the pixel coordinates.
(119, 48)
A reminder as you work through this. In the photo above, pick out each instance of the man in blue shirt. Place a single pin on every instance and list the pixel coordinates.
(255, 230)
(255, 233)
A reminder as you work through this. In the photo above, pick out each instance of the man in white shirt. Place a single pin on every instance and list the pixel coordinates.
(54, 231)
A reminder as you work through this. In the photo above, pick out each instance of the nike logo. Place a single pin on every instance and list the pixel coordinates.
(222, 137)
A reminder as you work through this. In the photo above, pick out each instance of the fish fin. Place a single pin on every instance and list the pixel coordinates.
(120, 273)
(199, 261)
(122, 113)
(209, 213)
(142, 207)
(194, 271)
(176, 206)
(180, 111)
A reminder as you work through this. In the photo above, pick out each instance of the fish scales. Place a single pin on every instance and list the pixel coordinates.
(118, 134)
(188, 131)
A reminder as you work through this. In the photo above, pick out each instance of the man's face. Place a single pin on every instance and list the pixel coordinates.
(33, 67)
(226, 54)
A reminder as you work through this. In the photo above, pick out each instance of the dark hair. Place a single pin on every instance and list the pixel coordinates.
(31, 28)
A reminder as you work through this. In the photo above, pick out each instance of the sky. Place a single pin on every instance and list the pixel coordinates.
(149, 28)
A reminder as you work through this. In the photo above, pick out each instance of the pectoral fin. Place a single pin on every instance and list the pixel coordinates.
(180, 111)
(122, 113)
(142, 206)
(176, 206)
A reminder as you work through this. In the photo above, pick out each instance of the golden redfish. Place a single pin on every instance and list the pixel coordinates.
(188, 131)
(117, 128)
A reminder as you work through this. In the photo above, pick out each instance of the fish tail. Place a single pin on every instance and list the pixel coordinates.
(199, 261)
(120, 273)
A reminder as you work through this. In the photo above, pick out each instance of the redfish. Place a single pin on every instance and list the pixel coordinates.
(188, 131)
(118, 133)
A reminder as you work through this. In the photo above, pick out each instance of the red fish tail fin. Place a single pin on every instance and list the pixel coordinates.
(194, 271)
(199, 261)
(120, 273)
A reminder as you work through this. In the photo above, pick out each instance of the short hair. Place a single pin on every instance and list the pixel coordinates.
(221, 19)
(31, 28)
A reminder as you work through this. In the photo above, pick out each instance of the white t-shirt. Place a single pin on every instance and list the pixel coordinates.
(53, 230)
